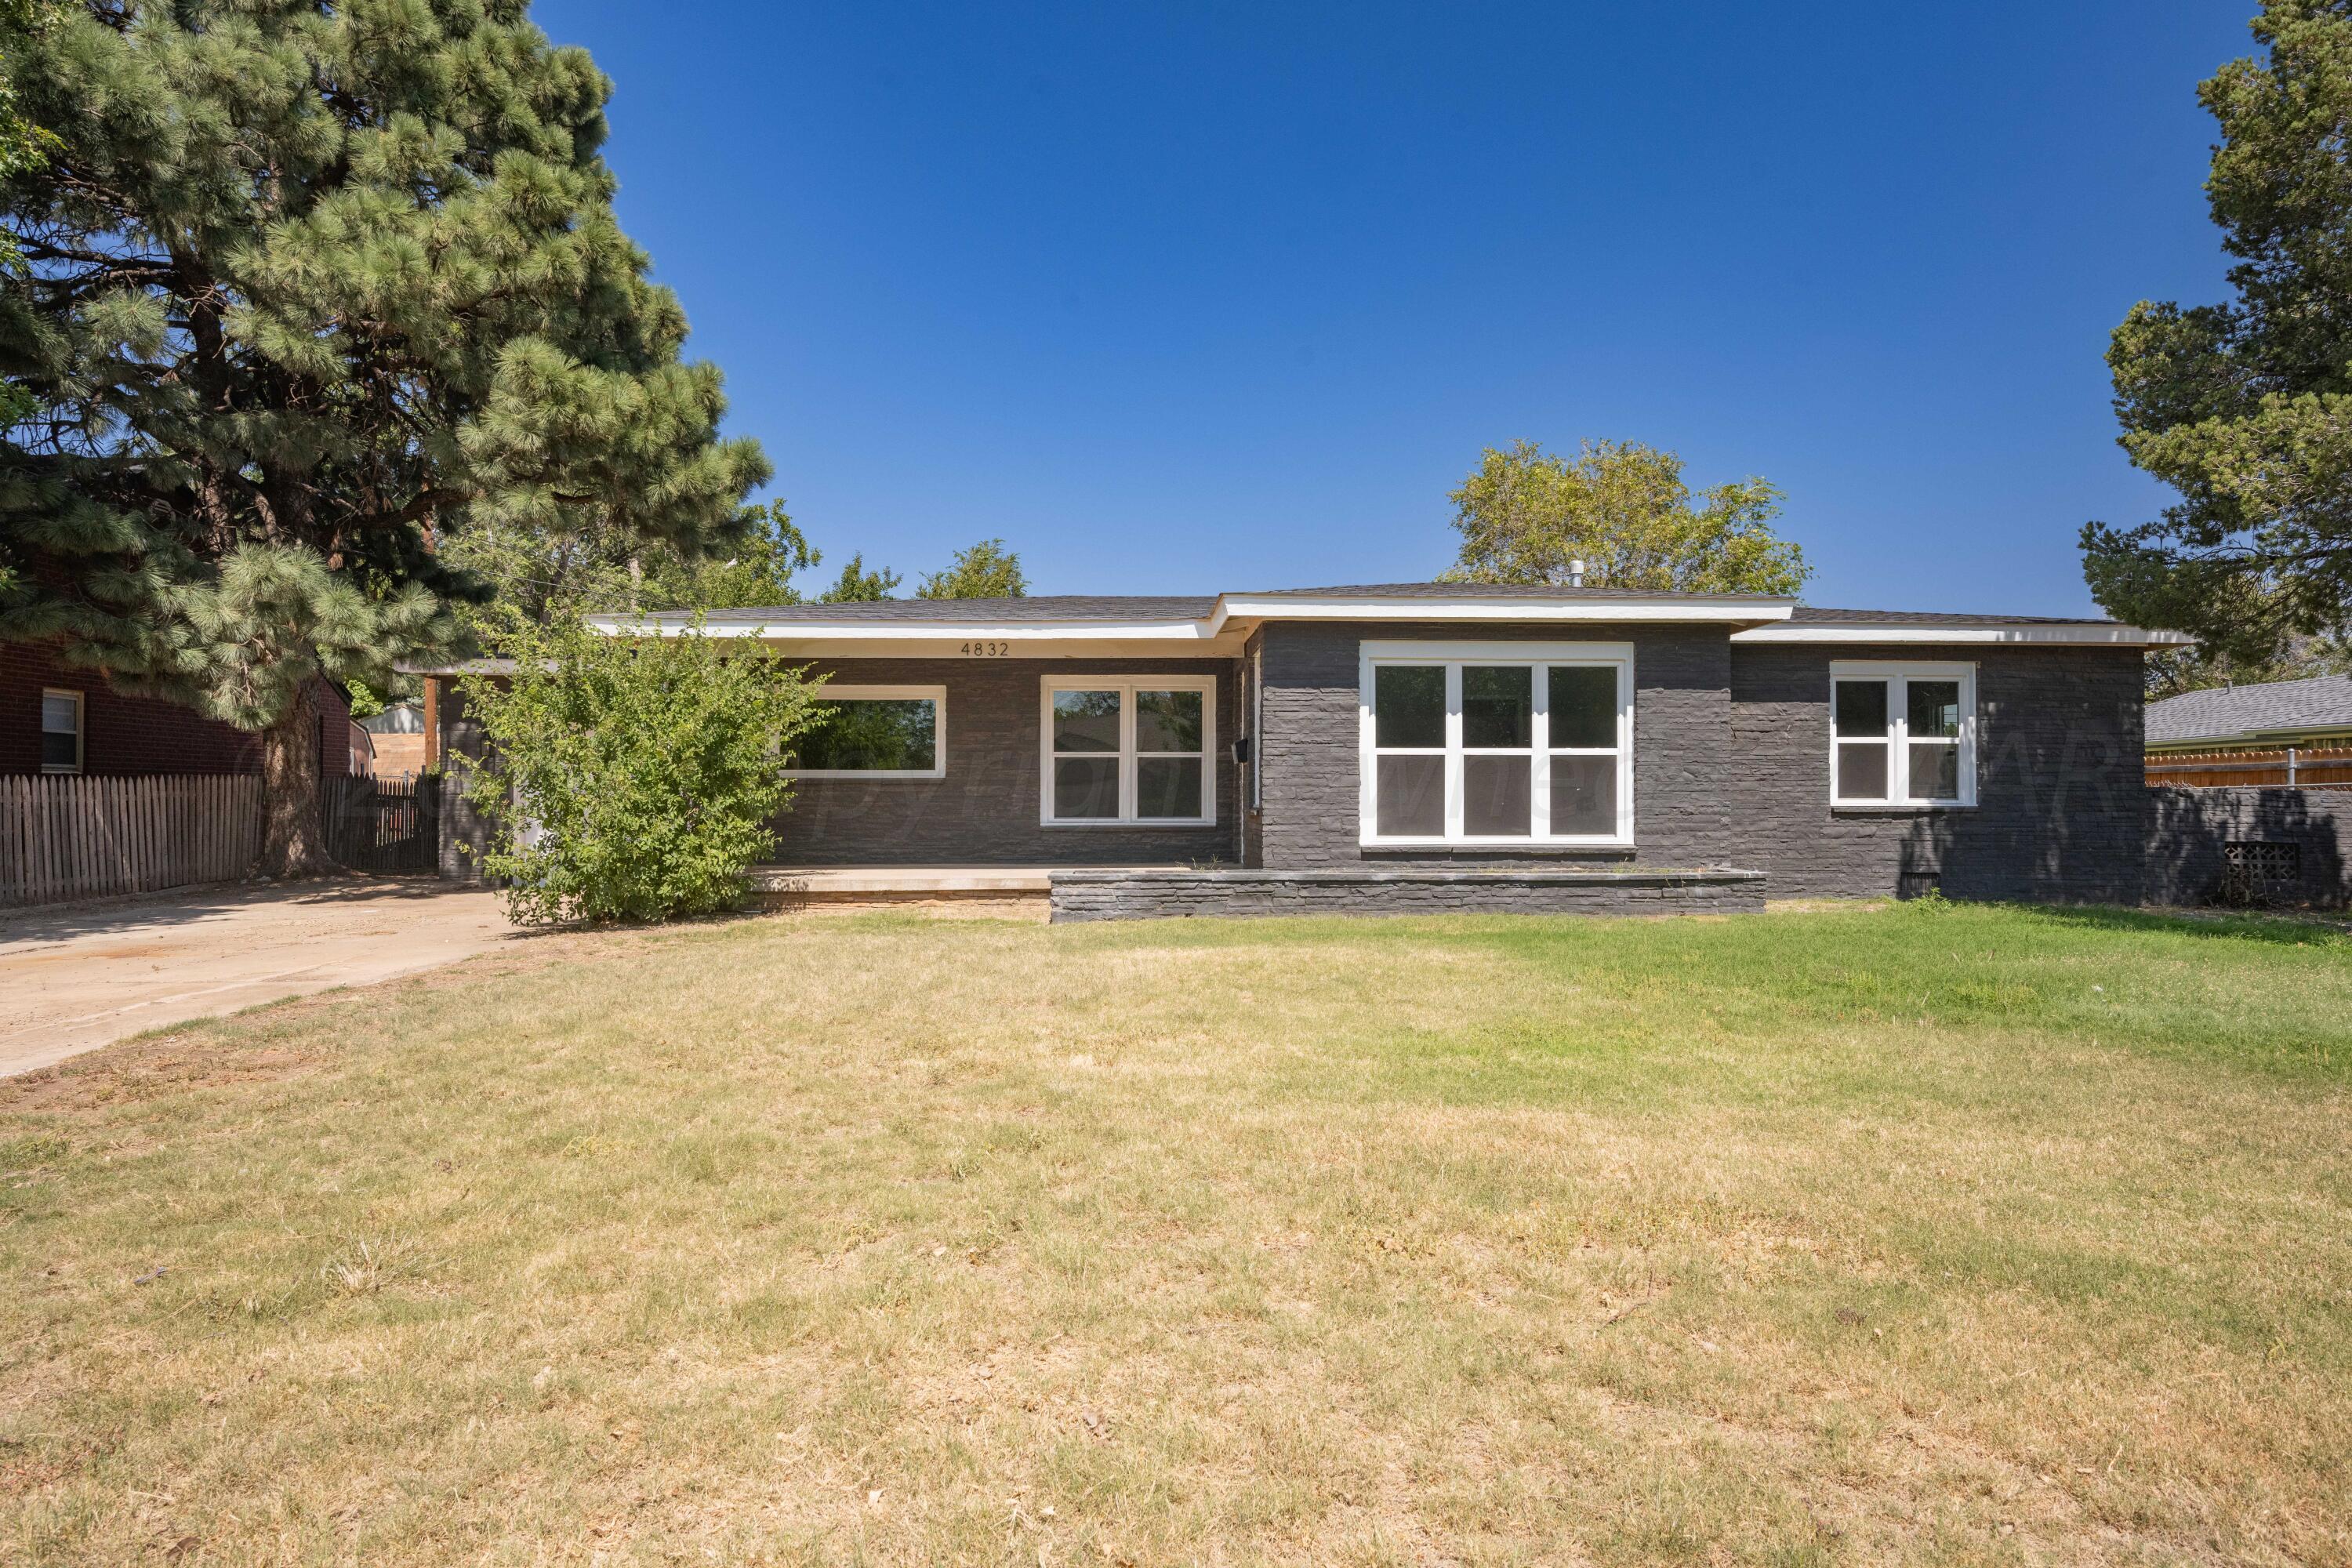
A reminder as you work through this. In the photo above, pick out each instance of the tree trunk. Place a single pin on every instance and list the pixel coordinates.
(293, 842)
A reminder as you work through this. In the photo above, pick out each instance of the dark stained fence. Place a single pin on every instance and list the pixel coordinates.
(382, 824)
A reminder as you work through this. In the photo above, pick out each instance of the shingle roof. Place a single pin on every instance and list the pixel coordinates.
(2321, 703)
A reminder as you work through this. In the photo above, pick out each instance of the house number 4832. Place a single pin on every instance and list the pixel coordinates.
(986, 650)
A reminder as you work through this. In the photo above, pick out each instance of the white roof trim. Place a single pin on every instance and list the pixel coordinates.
(2085, 633)
(1742, 614)
(1406, 607)
(915, 631)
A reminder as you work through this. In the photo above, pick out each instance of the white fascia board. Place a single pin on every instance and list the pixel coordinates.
(1272, 607)
(2089, 634)
(980, 650)
(916, 631)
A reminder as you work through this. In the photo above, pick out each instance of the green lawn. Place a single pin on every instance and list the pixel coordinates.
(1911, 1234)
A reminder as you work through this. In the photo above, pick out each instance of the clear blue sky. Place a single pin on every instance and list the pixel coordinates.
(1227, 296)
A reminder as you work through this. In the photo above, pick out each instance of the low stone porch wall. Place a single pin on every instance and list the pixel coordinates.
(994, 892)
(1159, 894)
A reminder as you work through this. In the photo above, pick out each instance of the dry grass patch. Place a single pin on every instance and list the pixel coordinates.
(1967, 1234)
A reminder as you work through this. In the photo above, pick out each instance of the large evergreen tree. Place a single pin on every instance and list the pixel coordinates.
(308, 287)
(2245, 408)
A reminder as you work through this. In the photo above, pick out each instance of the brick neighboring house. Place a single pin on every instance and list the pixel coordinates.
(59, 718)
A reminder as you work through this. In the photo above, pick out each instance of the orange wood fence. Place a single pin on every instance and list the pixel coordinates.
(2308, 767)
(64, 837)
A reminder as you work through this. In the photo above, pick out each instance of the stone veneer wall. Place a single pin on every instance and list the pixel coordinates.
(1685, 776)
(2061, 806)
(1107, 895)
(1731, 765)
(2190, 832)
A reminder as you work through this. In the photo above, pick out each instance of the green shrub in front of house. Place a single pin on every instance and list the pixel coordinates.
(632, 778)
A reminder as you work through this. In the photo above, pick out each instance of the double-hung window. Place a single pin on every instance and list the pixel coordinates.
(1902, 735)
(876, 732)
(61, 732)
(1130, 748)
(1502, 745)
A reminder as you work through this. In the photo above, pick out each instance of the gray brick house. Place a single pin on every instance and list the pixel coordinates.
(1424, 745)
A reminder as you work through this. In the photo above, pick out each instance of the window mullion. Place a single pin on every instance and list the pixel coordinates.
(1127, 800)
(1898, 737)
(1455, 790)
(1539, 783)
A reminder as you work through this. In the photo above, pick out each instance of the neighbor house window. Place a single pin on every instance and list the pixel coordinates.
(1131, 749)
(1498, 745)
(61, 732)
(1902, 735)
(876, 732)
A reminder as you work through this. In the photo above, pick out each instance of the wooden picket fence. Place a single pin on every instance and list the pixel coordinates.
(63, 838)
(2304, 767)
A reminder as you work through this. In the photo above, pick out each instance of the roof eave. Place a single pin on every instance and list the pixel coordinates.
(768, 630)
(1739, 610)
(2083, 634)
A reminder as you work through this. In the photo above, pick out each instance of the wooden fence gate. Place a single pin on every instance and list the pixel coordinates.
(383, 824)
(71, 837)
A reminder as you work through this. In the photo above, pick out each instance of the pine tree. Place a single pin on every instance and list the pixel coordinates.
(308, 287)
(2241, 406)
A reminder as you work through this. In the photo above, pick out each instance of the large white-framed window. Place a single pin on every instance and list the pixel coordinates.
(1129, 749)
(61, 748)
(876, 732)
(1902, 735)
(1501, 746)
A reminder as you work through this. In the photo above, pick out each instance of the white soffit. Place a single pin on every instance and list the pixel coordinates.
(880, 631)
(1409, 607)
(2087, 634)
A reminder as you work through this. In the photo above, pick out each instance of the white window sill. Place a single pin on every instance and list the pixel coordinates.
(1890, 808)
(1555, 845)
(1128, 821)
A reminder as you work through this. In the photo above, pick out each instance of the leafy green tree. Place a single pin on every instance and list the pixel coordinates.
(986, 570)
(1623, 509)
(23, 144)
(631, 779)
(857, 585)
(2245, 408)
(313, 287)
(756, 569)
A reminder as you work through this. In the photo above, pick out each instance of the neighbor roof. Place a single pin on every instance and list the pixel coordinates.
(2274, 709)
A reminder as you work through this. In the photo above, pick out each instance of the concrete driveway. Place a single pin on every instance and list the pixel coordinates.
(72, 979)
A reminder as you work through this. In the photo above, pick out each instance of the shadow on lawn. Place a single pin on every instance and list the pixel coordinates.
(2280, 929)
